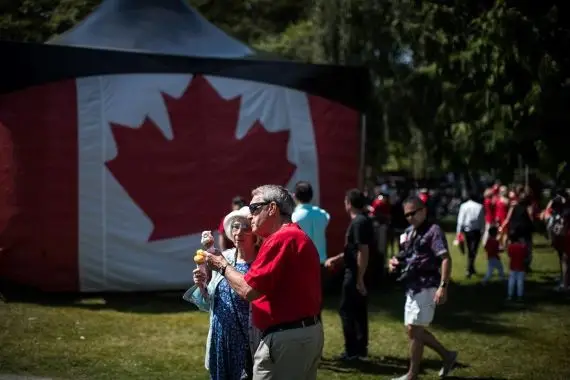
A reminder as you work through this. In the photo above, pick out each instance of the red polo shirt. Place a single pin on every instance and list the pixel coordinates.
(287, 273)
(492, 248)
(518, 253)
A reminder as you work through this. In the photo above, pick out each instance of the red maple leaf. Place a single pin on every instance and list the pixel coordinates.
(186, 184)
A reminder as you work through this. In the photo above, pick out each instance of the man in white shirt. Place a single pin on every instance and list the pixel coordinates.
(471, 222)
(312, 219)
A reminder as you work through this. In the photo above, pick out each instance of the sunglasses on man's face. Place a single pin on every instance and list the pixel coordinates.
(255, 208)
(411, 214)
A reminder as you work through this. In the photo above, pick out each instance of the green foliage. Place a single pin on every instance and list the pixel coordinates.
(248, 20)
(296, 42)
(485, 83)
(251, 20)
(456, 84)
(38, 20)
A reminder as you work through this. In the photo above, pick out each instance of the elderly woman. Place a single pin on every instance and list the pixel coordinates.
(230, 338)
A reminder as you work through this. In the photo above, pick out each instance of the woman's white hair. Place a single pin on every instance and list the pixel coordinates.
(277, 194)
(240, 214)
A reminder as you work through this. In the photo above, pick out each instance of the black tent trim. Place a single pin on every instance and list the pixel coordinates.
(30, 64)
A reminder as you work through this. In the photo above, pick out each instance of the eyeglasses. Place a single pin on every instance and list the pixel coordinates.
(255, 208)
(413, 213)
(241, 225)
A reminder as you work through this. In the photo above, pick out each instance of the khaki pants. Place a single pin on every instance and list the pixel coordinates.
(290, 354)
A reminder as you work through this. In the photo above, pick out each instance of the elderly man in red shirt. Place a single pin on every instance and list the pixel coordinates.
(284, 288)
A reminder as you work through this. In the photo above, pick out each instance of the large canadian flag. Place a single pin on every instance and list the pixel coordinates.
(107, 181)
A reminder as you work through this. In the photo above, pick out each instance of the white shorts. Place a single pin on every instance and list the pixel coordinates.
(420, 308)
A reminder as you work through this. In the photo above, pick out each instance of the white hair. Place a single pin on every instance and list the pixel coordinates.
(277, 194)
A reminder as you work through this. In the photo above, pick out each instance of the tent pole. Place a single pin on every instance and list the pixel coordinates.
(361, 176)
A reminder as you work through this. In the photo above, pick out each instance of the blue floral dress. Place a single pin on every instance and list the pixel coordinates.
(227, 350)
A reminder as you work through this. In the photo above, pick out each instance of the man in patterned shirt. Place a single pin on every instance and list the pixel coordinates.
(428, 265)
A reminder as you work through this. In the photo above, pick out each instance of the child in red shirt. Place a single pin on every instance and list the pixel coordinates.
(518, 252)
(493, 260)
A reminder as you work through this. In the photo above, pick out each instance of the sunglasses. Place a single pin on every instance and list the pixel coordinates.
(413, 213)
(255, 208)
(241, 225)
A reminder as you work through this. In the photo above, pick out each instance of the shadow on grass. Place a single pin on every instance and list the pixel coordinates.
(140, 302)
(471, 307)
(385, 365)
(474, 378)
(542, 247)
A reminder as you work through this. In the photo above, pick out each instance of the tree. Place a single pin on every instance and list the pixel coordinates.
(39, 20)
(247, 20)
(464, 85)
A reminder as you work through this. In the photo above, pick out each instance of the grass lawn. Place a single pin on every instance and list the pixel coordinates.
(159, 336)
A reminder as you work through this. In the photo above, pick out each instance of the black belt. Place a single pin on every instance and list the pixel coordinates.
(305, 322)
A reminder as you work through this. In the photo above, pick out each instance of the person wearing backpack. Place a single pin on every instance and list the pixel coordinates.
(520, 220)
(556, 216)
(565, 283)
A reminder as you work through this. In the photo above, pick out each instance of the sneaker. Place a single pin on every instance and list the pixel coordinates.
(448, 364)
(403, 377)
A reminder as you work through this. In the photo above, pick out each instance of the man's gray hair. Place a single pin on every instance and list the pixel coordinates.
(277, 194)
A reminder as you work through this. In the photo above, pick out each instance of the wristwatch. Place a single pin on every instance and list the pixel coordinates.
(443, 284)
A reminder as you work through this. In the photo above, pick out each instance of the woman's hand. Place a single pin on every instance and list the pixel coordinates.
(393, 264)
(199, 277)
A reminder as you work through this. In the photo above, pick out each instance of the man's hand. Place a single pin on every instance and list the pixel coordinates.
(440, 296)
(361, 287)
(332, 261)
(393, 264)
(215, 261)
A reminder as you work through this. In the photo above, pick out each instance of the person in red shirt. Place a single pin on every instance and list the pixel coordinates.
(493, 260)
(501, 211)
(381, 208)
(424, 195)
(283, 285)
(489, 209)
(518, 252)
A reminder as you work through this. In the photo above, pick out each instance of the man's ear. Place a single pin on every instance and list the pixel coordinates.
(272, 209)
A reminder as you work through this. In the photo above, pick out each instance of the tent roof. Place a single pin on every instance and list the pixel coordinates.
(157, 26)
(167, 36)
(32, 64)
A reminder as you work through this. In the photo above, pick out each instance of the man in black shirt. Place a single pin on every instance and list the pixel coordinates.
(354, 303)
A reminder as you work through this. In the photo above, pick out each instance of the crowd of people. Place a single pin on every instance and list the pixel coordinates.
(264, 290)
(506, 220)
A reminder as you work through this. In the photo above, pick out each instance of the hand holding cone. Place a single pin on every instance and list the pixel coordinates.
(200, 257)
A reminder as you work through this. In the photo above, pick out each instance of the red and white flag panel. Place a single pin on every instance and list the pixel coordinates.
(108, 181)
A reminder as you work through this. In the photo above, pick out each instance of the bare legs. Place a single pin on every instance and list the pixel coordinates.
(420, 337)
